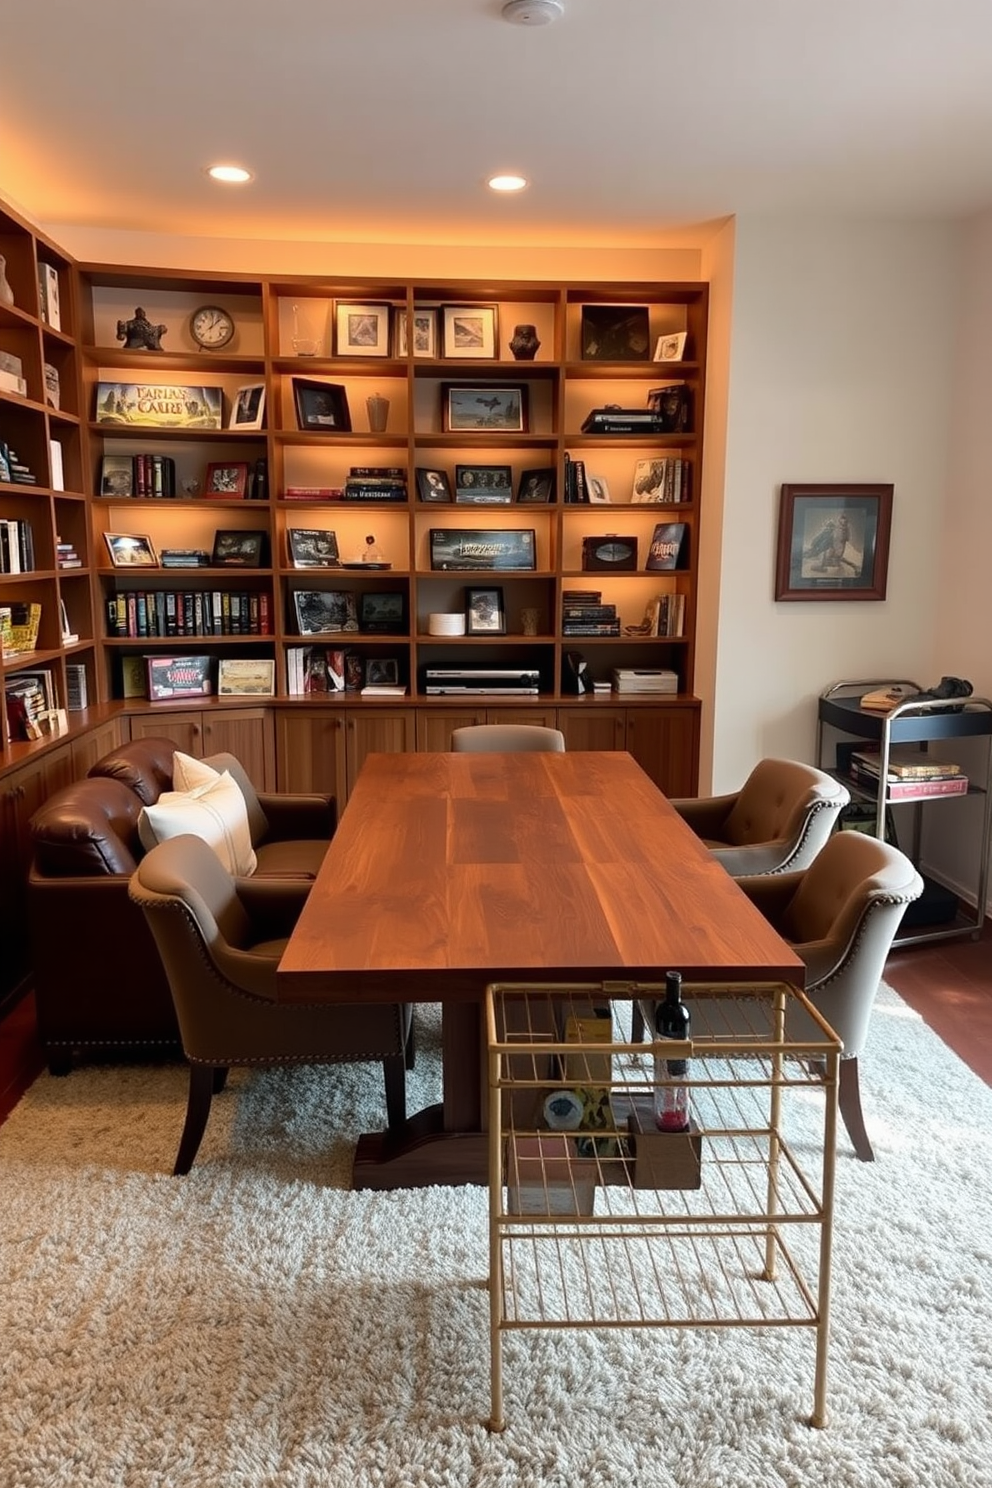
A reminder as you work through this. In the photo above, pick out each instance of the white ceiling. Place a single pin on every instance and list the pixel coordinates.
(379, 120)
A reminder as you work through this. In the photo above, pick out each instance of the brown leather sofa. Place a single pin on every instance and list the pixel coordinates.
(99, 983)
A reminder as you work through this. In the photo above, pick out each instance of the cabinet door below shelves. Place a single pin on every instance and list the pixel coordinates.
(22, 792)
(248, 734)
(94, 745)
(185, 729)
(310, 753)
(590, 727)
(377, 731)
(665, 743)
(434, 729)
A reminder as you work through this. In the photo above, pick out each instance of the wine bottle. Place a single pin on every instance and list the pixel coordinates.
(671, 1017)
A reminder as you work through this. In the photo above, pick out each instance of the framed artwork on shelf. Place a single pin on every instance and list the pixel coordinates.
(226, 478)
(321, 407)
(178, 677)
(493, 409)
(537, 486)
(485, 613)
(667, 548)
(325, 611)
(424, 333)
(382, 613)
(382, 671)
(313, 547)
(833, 541)
(615, 333)
(159, 405)
(469, 331)
(472, 548)
(243, 677)
(433, 485)
(117, 475)
(361, 330)
(670, 348)
(599, 491)
(484, 485)
(128, 550)
(248, 408)
(238, 549)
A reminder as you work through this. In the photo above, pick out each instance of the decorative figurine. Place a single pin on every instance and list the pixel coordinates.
(6, 293)
(138, 334)
(372, 553)
(524, 343)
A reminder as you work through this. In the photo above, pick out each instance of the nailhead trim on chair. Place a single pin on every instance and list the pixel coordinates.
(786, 866)
(884, 900)
(178, 907)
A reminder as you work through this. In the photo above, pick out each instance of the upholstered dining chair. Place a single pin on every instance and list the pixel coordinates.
(220, 940)
(840, 916)
(509, 738)
(776, 823)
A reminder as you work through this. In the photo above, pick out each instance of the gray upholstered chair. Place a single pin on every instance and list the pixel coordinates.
(776, 823)
(508, 738)
(220, 940)
(840, 916)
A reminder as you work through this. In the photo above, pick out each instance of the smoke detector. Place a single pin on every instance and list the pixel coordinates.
(533, 12)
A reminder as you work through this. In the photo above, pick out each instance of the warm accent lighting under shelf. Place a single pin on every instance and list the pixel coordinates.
(232, 174)
(507, 183)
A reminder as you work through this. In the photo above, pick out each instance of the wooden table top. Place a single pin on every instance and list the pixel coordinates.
(451, 870)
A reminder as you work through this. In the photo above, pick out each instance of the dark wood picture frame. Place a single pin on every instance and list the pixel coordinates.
(537, 487)
(485, 612)
(483, 485)
(131, 550)
(499, 549)
(484, 408)
(833, 541)
(227, 479)
(433, 485)
(382, 612)
(615, 333)
(238, 548)
(321, 407)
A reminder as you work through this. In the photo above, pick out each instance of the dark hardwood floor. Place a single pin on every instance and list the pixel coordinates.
(949, 984)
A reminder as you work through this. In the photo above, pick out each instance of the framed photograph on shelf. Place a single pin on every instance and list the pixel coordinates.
(312, 547)
(833, 541)
(484, 485)
(382, 671)
(464, 548)
(599, 491)
(537, 486)
(485, 613)
(382, 613)
(128, 550)
(615, 333)
(670, 348)
(243, 677)
(433, 485)
(493, 409)
(178, 677)
(469, 331)
(117, 475)
(321, 407)
(361, 330)
(325, 611)
(238, 549)
(248, 407)
(226, 478)
(424, 333)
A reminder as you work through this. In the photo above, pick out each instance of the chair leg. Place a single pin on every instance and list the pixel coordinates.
(394, 1071)
(410, 1052)
(636, 1023)
(220, 1078)
(201, 1089)
(849, 1102)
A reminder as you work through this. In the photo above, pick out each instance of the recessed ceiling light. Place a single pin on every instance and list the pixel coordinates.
(507, 183)
(235, 174)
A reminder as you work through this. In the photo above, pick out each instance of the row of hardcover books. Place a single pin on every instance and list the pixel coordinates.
(28, 696)
(16, 546)
(172, 612)
(138, 475)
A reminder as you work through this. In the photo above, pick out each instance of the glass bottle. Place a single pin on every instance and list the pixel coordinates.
(671, 1092)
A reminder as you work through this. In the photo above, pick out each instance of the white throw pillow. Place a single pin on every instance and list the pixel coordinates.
(215, 811)
(189, 774)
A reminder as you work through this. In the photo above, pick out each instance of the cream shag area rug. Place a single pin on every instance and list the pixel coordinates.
(257, 1325)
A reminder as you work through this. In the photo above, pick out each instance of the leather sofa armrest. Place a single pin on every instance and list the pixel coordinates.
(299, 817)
(272, 905)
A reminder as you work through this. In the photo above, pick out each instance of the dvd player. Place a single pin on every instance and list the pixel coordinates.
(489, 689)
(483, 674)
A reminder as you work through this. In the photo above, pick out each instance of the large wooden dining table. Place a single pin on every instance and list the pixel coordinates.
(451, 871)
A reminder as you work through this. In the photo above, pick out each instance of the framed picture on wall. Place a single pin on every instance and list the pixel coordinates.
(833, 541)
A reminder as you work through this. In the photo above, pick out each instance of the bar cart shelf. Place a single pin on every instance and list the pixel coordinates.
(843, 726)
(614, 1224)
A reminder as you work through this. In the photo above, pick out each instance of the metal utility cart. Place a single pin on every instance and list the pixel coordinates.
(612, 1223)
(843, 726)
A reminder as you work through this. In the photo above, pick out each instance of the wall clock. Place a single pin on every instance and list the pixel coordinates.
(211, 327)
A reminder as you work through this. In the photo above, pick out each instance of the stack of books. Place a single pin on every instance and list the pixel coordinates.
(376, 483)
(911, 774)
(656, 680)
(66, 556)
(588, 617)
(624, 421)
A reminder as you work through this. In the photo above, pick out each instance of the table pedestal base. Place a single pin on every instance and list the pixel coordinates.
(425, 1153)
